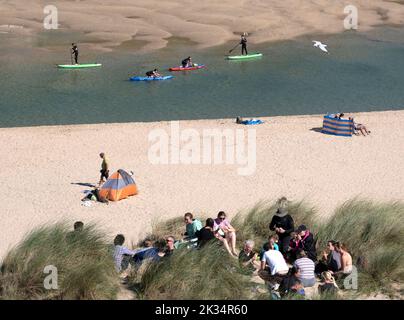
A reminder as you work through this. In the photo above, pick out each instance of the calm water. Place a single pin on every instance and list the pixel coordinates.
(363, 72)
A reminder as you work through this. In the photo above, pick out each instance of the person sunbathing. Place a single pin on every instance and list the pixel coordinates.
(360, 127)
(225, 233)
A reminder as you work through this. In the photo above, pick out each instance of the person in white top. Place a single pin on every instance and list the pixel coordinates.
(273, 264)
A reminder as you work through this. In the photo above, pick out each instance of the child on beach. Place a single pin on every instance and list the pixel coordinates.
(294, 246)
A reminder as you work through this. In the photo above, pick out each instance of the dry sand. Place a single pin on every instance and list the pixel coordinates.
(41, 166)
(208, 22)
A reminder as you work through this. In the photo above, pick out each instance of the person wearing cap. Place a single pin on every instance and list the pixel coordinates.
(282, 223)
(307, 239)
(104, 168)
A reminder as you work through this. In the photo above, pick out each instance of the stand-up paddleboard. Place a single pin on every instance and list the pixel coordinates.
(187, 68)
(150, 78)
(79, 66)
(247, 56)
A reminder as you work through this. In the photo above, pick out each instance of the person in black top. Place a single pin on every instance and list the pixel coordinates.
(153, 74)
(187, 62)
(282, 223)
(206, 233)
(307, 239)
(243, 43)
(75, 52)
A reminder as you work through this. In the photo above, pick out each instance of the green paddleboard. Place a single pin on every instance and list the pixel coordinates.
(247, 56)
(79, 66)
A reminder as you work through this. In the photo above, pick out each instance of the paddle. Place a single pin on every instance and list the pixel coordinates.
(230, 51)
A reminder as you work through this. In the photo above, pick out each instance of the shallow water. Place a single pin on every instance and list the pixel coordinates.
(363, 72)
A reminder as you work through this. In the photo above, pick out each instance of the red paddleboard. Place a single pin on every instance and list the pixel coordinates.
(187, 68)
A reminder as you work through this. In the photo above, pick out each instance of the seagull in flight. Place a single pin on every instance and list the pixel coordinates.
(320, 45)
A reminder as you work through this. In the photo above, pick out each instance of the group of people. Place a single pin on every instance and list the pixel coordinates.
(287, 262)
(358, 128)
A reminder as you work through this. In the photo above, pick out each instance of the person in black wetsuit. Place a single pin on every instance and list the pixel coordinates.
(282, 223)
(75, 52)
(243, 43)
(187, 62)
(153, 74)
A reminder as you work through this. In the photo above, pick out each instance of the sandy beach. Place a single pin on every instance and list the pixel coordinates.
(105, 25)
(43, 169)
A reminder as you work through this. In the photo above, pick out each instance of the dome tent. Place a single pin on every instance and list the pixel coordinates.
(119, 185)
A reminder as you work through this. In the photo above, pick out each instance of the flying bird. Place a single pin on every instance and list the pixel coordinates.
(320, 45)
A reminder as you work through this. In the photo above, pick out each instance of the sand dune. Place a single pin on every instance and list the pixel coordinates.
(210, 22)
(44, 168)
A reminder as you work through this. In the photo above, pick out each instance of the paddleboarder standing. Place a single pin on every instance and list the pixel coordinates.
(75, 52)
(243, 43)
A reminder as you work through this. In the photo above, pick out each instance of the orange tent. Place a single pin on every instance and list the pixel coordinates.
(119, 185)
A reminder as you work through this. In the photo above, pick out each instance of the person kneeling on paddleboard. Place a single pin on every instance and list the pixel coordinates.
(187, 63)
(243, 43)
(153, 74)
(75, 52)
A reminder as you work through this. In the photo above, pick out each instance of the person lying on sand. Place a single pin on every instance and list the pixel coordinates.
(94, 195)
(360, 127)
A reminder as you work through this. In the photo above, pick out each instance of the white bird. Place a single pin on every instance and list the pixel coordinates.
(320, 45)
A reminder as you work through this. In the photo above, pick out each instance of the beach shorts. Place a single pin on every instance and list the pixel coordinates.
(104, 174)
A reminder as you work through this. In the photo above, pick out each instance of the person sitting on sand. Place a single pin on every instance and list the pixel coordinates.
(328, 286)
(187, 63)
(330, 259)
(307, 239)
(359, 127)
(291, 283)
(170, 247)
(153, 74)
(295, 245)
(306, 269)
(346, 258)
(78, 226)
(248, 257)
(192, 226)
(206, 234)
(282, 223)
(121, 254)
(94, 195)
(225, 233)
(273, 240)
(273, 265)
(149, 252)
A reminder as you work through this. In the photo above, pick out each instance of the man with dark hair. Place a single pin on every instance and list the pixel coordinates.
(121, 254)
(307, 239)
(78, 226)
(192, 226)
(206, 233)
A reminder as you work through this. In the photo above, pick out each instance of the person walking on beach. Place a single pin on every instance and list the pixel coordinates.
(104, 168)
(243, 43)
(75, 52)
